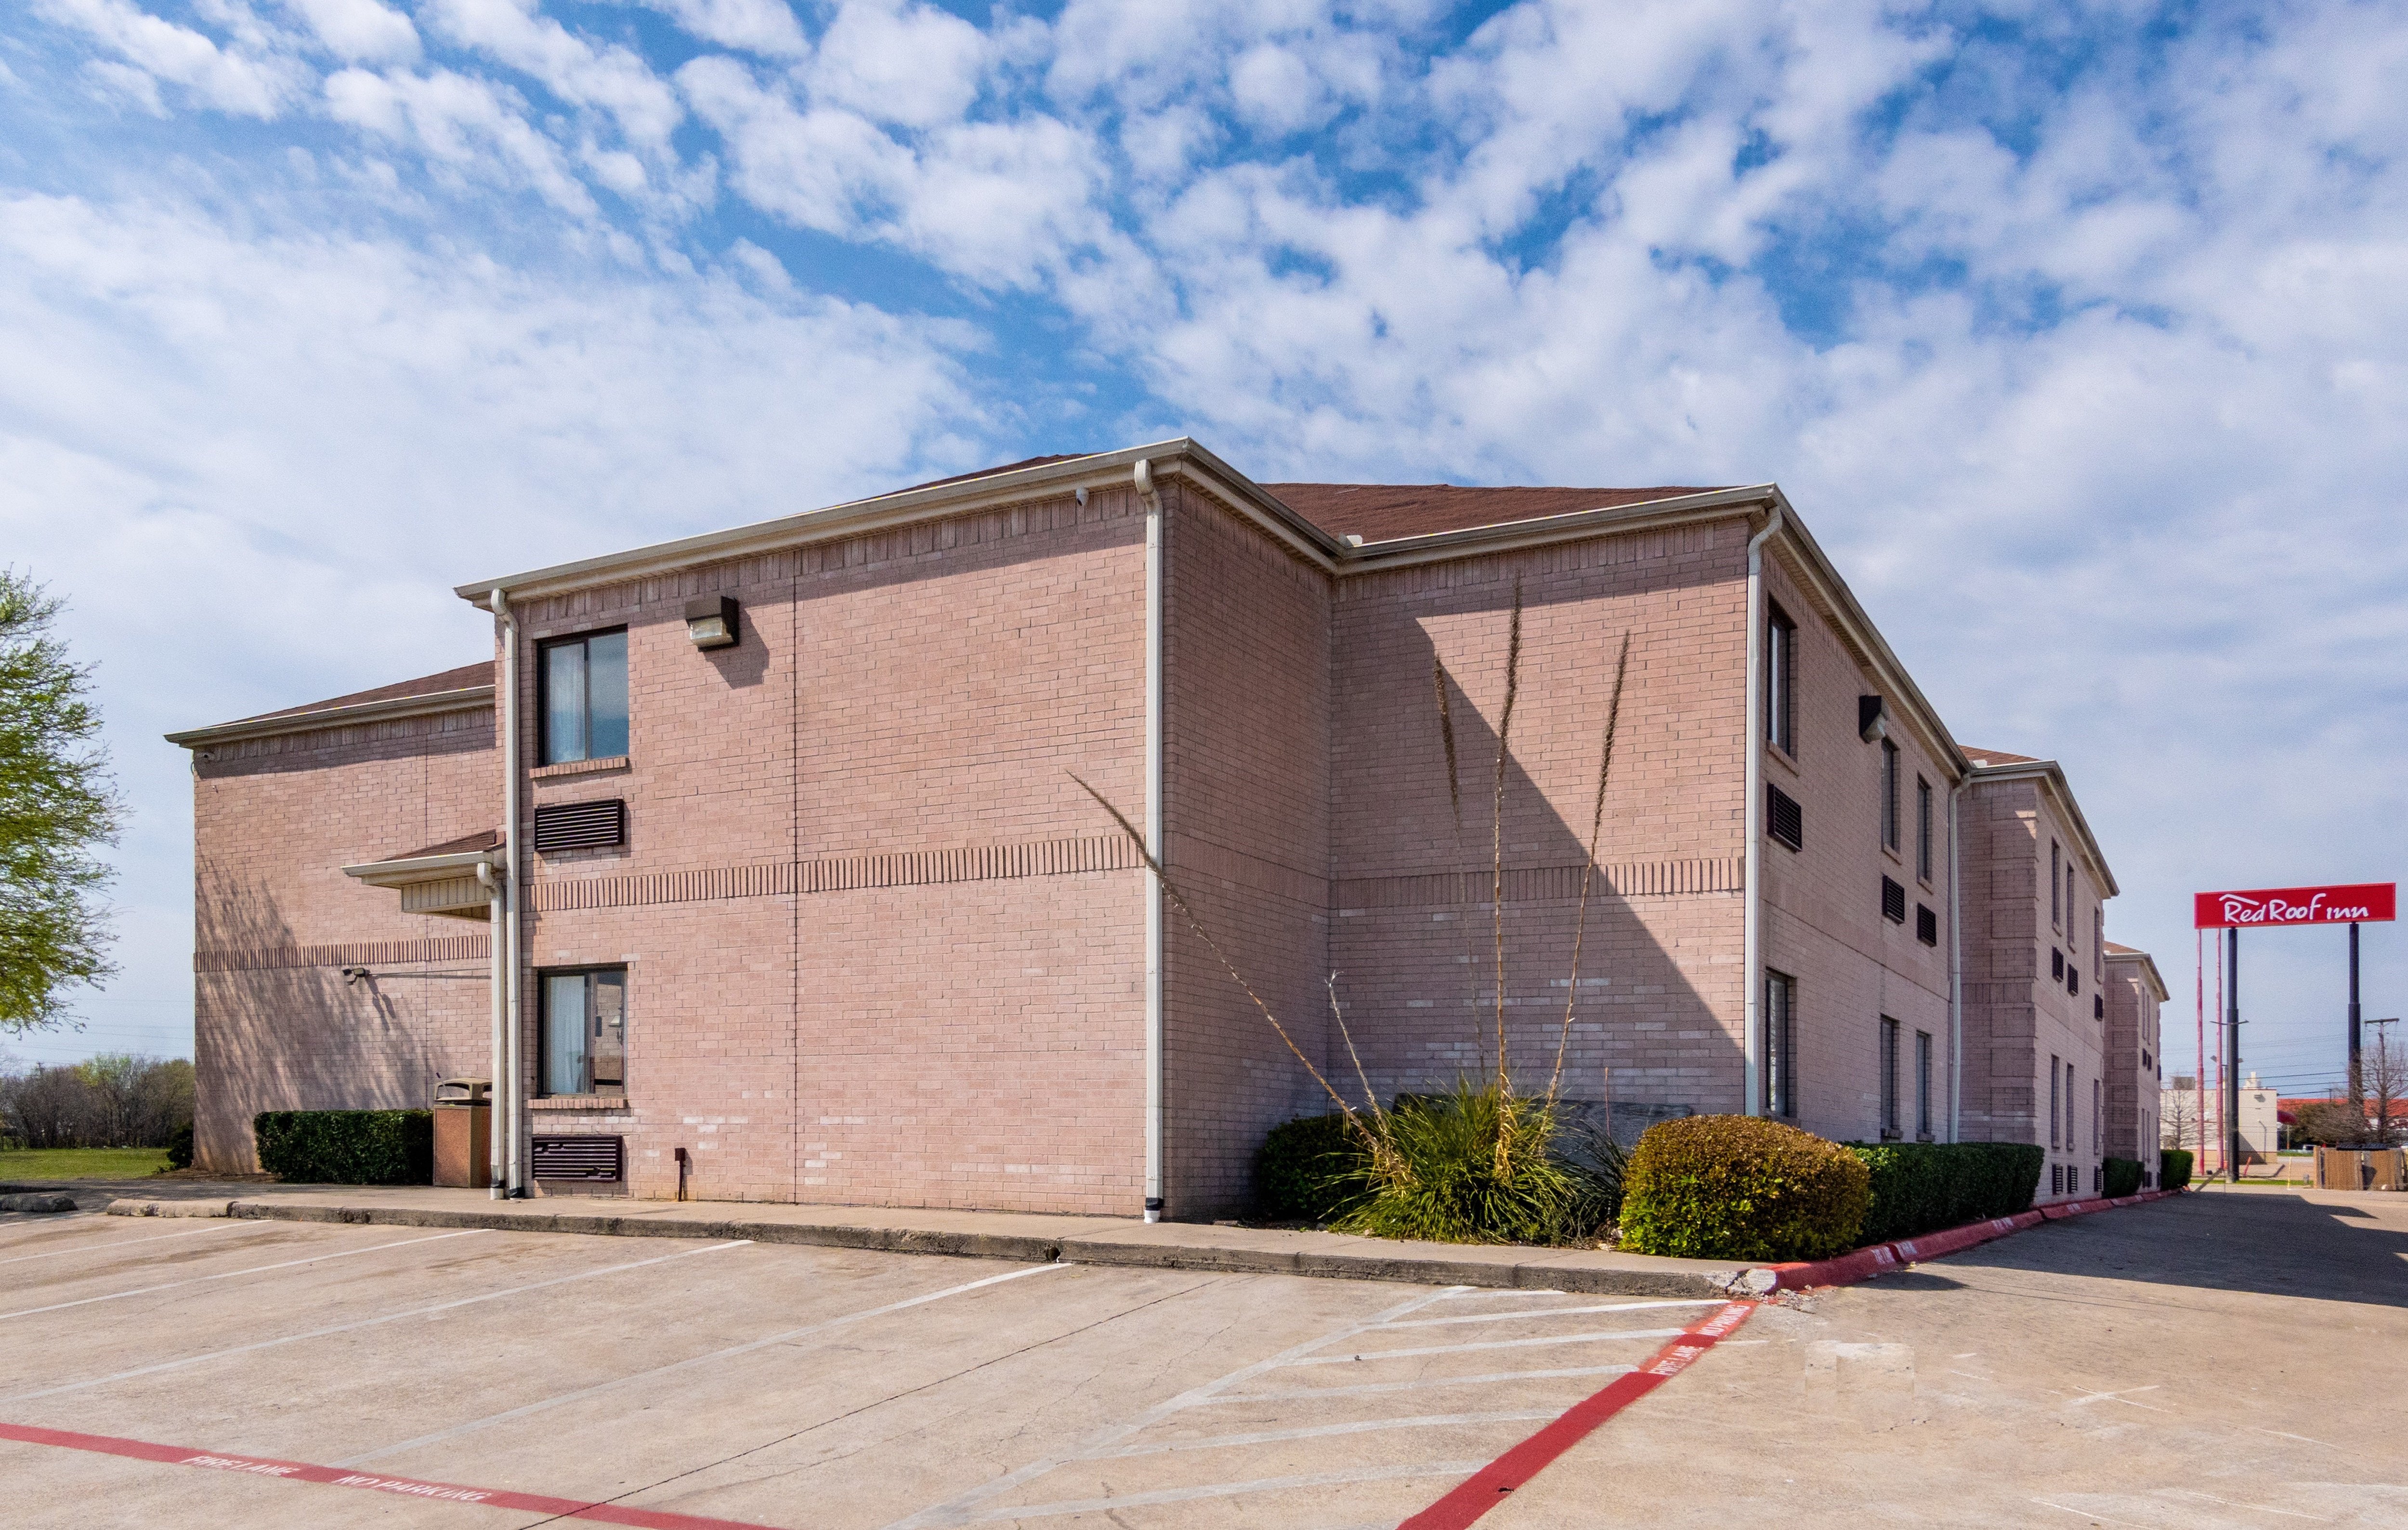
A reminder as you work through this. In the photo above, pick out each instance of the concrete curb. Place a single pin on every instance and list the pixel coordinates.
(1160, 1247)
(1881, 1258)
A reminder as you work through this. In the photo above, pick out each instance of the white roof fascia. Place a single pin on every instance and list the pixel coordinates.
(2051, 776)
(421, 868)
(466, 699)
(1108, 469)
(2148, 964)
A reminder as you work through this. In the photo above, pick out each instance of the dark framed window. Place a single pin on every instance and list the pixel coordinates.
(583, 1044)
(2055, 1098)
(582, 682)
(1783, 820)
(1922, 829)
(2056, 886)
(1780, 680)
(2097, 1114)
(1889, 794)
(1889, 1127)
(1778, 1051)
(1893, 900)
(1923, 1086)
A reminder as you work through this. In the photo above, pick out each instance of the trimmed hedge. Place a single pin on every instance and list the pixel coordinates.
(2173, 1169)
(1922, 1187)
(1739, 1187)
(348, 1147)
(2123, 1177)
(1306, 1169)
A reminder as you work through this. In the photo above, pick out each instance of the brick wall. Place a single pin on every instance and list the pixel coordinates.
(274, 1025)
(2133, 1059)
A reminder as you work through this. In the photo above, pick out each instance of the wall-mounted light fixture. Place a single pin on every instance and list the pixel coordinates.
(1872, 721)
(710, 621)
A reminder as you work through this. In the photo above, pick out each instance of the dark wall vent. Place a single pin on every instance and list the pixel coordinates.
(580, 826)
(1782, 818)
(2099, 1011)
(1927, 925)
(2057, 964)
(2073, 980)
(1893, 901)
(590, 1158)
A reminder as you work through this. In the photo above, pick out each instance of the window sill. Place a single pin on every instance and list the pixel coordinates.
(580, 1102)
(578, 767)
(1782, 757)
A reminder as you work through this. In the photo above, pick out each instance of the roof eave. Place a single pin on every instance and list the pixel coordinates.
(421, 868)
(2051, 775)
(465, 699)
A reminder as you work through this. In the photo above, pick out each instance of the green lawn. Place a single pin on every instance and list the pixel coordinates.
(82, 1162)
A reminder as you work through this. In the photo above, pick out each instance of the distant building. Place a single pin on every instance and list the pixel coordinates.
(2135, 1065)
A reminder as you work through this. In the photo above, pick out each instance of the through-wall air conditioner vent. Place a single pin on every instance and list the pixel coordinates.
(590, 1158)
(1893, 900)
(580, 826)
(1927, 925)
(1783, 820)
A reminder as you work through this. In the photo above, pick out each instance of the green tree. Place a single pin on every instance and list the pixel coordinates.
(58, 807)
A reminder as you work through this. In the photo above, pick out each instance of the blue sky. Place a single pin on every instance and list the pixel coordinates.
(2074, 331)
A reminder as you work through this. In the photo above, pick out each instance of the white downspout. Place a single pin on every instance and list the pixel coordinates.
(1752, 815)
(1153, 1039)
(491, 877)
(509, 1081)
(1955, 974)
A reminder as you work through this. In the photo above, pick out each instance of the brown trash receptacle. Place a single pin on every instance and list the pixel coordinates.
(463, 1133)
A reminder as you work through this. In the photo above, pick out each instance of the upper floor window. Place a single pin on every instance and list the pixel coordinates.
(1780, 680)
(584, 1035)
(1889, 794)
(585, 700)
(2056, 886)
(1923, 828)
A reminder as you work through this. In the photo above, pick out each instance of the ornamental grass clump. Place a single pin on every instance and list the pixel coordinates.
(1479, 1165)
(1739, 1187)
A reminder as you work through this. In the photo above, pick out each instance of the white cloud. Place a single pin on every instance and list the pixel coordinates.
(232, 80)
(909, 65)
(360, 31)
(766, 27)
(462, 124)
(607, 77)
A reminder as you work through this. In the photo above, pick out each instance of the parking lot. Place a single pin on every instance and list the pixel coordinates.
(2219, 1360)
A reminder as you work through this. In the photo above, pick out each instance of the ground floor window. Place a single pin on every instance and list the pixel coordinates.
(1779, 1045)
(584, 1040)
(1889, 1126)
(1923, 1086)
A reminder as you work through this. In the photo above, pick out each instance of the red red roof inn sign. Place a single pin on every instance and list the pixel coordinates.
(2358, 902)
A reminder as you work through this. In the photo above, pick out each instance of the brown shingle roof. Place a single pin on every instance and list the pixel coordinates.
(1998, 757)
(1382, 512)
(461, 679)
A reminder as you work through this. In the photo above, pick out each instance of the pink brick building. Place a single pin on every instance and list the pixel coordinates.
(791, 887)
(2136, 998)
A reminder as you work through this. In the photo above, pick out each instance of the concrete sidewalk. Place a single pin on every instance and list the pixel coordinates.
(989, 1235)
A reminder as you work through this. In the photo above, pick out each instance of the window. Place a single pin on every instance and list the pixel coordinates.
(1923, 1086)
(2099, 944)
(1783, 820)
(1780, 680)
(586, 1032)
(1893, 901)
(1922, 828)
(2097, 1114)
(1779, 1048)
(2071, 1097)
(1888, 1080)
(1927, 925)
(2056, 1099)
(1889, 794)
(585, 700)
(2056, 887)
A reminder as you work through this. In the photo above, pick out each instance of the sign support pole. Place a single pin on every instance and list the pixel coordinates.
(2357, 1084)
(2232, 1055)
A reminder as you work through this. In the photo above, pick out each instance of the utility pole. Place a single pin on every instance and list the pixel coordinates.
(2357, 1089)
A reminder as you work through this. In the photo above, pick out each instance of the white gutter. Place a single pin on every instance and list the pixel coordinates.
(1956, 971)
(1752, 815)
(497, 888)
(1144, 474)
(508, 1076)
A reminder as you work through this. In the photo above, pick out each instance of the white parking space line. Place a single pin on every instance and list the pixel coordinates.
(1370, 1389)
(714, 1357)
(234, 1274)
(1547, 1313)
(129, 1242)
(962, 1508)
(1319, 1431)
(370, 1322)
(1590, 1338)
(1227, 1489)
(1466, 1294)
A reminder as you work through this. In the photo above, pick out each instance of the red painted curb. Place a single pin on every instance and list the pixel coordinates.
(1848, 1268)
(1491, 1484)
(299, 1471)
